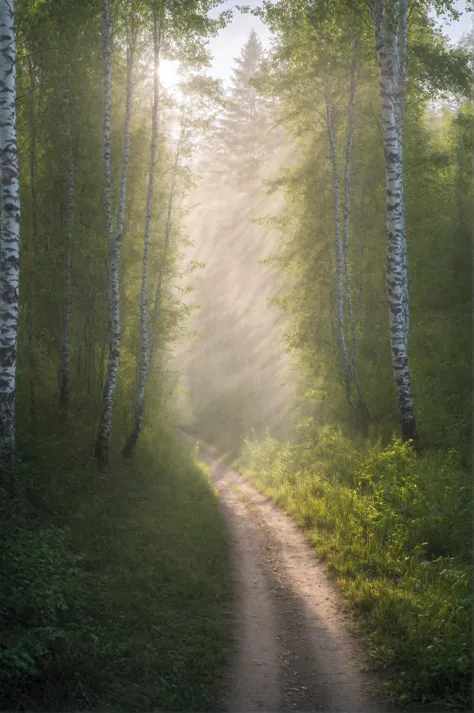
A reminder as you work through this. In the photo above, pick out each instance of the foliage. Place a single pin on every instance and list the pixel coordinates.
(113, 598)
(112, 586)
(438, 196)
(395, 530)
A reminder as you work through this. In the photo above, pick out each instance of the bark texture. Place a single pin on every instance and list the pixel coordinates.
(10, 239)
(114, 238)
(391, 37)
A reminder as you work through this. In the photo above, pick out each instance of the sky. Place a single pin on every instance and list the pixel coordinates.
(228, 44)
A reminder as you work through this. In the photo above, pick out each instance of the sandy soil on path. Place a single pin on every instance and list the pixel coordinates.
(294, 651)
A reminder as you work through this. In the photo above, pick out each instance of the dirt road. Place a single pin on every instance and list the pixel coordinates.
(293, 649)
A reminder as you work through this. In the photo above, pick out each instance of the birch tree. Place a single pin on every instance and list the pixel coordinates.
(346, 223)
(390, 22)
(10, 238)
(114, 237)
(166, 244)
(142, 375)
(331, 128)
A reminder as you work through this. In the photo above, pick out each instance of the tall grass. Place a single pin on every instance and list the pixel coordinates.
(394, 528)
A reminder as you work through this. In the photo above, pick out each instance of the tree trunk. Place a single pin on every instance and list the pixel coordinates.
(132, 439)
(10, 241)
(114, 240)
(65, 346)
(390, 46)
(401, 10)
(159, 283)
(345, 231)
(339, 250)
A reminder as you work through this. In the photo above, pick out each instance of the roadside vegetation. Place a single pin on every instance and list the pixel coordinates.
(113, 588)
(113, 571)
(395, 530)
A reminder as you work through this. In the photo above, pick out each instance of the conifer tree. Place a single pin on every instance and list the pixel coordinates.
(241, 133)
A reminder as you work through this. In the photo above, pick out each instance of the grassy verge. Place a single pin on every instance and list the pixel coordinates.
(113, 589)
(394, 528)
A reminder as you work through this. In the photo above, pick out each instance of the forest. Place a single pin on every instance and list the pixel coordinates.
(278, 264)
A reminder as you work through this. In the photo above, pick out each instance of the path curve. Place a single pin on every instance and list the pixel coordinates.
(294, 651)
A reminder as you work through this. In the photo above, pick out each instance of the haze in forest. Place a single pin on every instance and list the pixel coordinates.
(235, 268)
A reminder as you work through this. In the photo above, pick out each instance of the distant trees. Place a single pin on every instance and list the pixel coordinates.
(83, 220)
(114, 235)
(240, 137)
(323, 57)
(235, 368)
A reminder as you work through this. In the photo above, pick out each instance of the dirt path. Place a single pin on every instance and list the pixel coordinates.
(293, 649)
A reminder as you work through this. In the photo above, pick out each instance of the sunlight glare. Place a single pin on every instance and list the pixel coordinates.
(169, 73)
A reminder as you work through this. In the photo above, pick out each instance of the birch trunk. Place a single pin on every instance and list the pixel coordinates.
(339, 249)
(402, 40)
(346, 223)
(114, 239)
(390, 37)
(132, 439)
(159, 283)
(65, 346)
(10, 239)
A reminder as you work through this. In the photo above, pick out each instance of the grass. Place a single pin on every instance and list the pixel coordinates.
(394, 529)
(113, 589)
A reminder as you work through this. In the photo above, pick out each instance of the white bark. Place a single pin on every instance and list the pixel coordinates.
(143, 360)
(10, 239)
(114, 239)
(65, 346)
(401, 9)
(390, 37)
(339, 248)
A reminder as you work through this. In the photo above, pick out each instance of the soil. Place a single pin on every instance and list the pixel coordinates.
(294, 650)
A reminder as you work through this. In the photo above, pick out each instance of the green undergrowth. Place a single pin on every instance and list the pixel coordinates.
(394, 528)
(113, 588)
